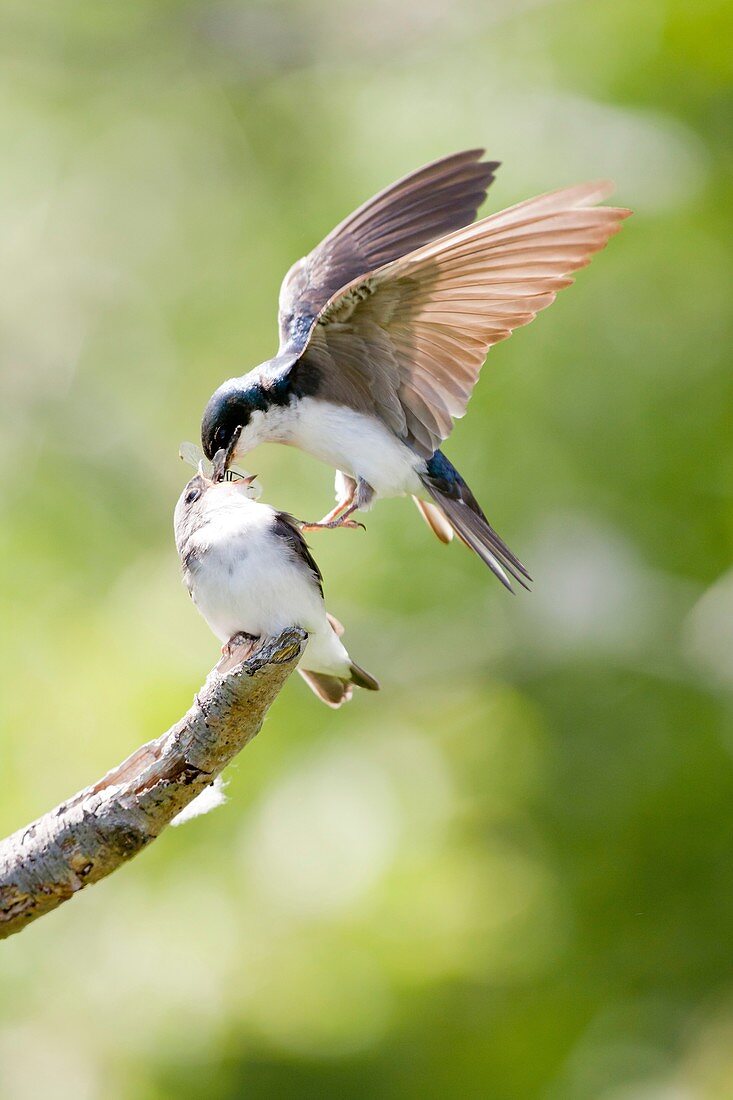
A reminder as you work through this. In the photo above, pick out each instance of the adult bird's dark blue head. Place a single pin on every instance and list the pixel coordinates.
(384, 328)
(229, 408)
(241, 403)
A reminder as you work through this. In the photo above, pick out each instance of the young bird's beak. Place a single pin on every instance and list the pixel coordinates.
(246, 483)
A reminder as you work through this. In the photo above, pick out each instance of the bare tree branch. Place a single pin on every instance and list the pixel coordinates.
(99, 829)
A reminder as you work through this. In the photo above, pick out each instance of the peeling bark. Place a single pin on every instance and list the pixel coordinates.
(92, 834)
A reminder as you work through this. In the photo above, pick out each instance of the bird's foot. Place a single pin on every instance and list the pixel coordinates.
(237, 640)
(331, 525)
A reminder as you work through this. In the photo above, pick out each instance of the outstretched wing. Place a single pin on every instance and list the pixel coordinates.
(408, 340)
(427, 204)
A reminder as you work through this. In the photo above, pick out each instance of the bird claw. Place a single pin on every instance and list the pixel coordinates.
(332, 525)
(237, 640)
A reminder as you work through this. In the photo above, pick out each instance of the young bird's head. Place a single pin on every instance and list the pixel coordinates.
(203, 497)
(190, 509)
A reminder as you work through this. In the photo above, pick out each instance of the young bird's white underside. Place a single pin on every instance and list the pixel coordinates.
(361, 446)
(246, 578)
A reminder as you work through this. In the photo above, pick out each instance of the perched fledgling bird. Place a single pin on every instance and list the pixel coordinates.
(249, 571)
(384, 328)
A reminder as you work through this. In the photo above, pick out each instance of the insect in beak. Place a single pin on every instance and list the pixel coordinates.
(220, 469)
(223, 458)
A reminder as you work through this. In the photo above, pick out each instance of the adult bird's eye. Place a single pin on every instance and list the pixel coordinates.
(192, 495)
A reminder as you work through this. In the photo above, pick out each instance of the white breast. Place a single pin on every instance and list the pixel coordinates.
(244, 577)
(362, 446)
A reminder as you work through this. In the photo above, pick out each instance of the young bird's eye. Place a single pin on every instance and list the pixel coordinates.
(192, 495)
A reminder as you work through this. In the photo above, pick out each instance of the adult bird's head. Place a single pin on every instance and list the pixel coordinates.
(248, 406)
(230, 410)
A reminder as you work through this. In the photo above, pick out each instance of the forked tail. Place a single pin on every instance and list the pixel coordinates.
(464, 514)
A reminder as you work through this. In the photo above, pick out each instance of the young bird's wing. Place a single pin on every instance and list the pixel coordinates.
(427, 204)
(331, 689)
(407, 341)
(286, 527)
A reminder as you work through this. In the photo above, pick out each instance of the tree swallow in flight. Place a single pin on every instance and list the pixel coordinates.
(249, 571)
(384, 328)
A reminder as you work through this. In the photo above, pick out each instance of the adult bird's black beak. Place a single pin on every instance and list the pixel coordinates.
(222, 459)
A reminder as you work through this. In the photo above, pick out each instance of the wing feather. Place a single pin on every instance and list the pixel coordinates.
(409, 339)
(429, 203)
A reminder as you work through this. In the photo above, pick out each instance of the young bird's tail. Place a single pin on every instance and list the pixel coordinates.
(463, 512)
(334, 690)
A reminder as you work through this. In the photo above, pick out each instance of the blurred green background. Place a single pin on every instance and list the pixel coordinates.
(509, 875)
